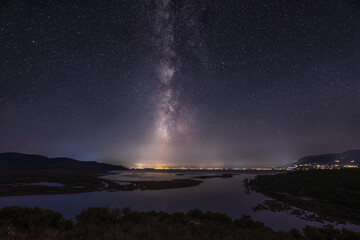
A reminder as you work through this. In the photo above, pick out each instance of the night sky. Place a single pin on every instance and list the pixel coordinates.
(180, 83)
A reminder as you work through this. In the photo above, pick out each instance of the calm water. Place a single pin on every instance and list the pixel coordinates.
(226, 195)
(48, 184)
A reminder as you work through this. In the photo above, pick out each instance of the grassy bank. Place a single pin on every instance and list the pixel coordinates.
(104, 223)
(316, 190)
(14, 183)
(74, 181)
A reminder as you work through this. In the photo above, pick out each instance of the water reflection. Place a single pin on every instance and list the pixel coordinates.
(226, 195)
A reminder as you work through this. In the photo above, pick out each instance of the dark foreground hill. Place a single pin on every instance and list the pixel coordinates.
(19, 161)
(348, 158)
(105, 223)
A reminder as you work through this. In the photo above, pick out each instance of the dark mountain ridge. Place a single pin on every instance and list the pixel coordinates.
(350, 157)
(20, 161)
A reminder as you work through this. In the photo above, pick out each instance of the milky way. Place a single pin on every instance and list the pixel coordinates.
(172, 123)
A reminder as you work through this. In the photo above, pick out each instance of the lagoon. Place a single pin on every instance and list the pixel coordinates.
(226, 195)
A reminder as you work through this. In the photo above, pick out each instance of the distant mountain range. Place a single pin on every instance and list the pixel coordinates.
(349, 158)
(20, 161)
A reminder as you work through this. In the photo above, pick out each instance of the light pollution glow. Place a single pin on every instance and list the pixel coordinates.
(173, 142)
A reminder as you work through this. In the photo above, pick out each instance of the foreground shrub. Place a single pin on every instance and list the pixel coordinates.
(106, 223)
(29, 223)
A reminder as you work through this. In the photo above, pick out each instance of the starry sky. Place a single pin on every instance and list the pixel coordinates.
(207, 83)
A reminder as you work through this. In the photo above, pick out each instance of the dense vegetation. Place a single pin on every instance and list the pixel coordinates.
(105, 223)
(341, 186)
